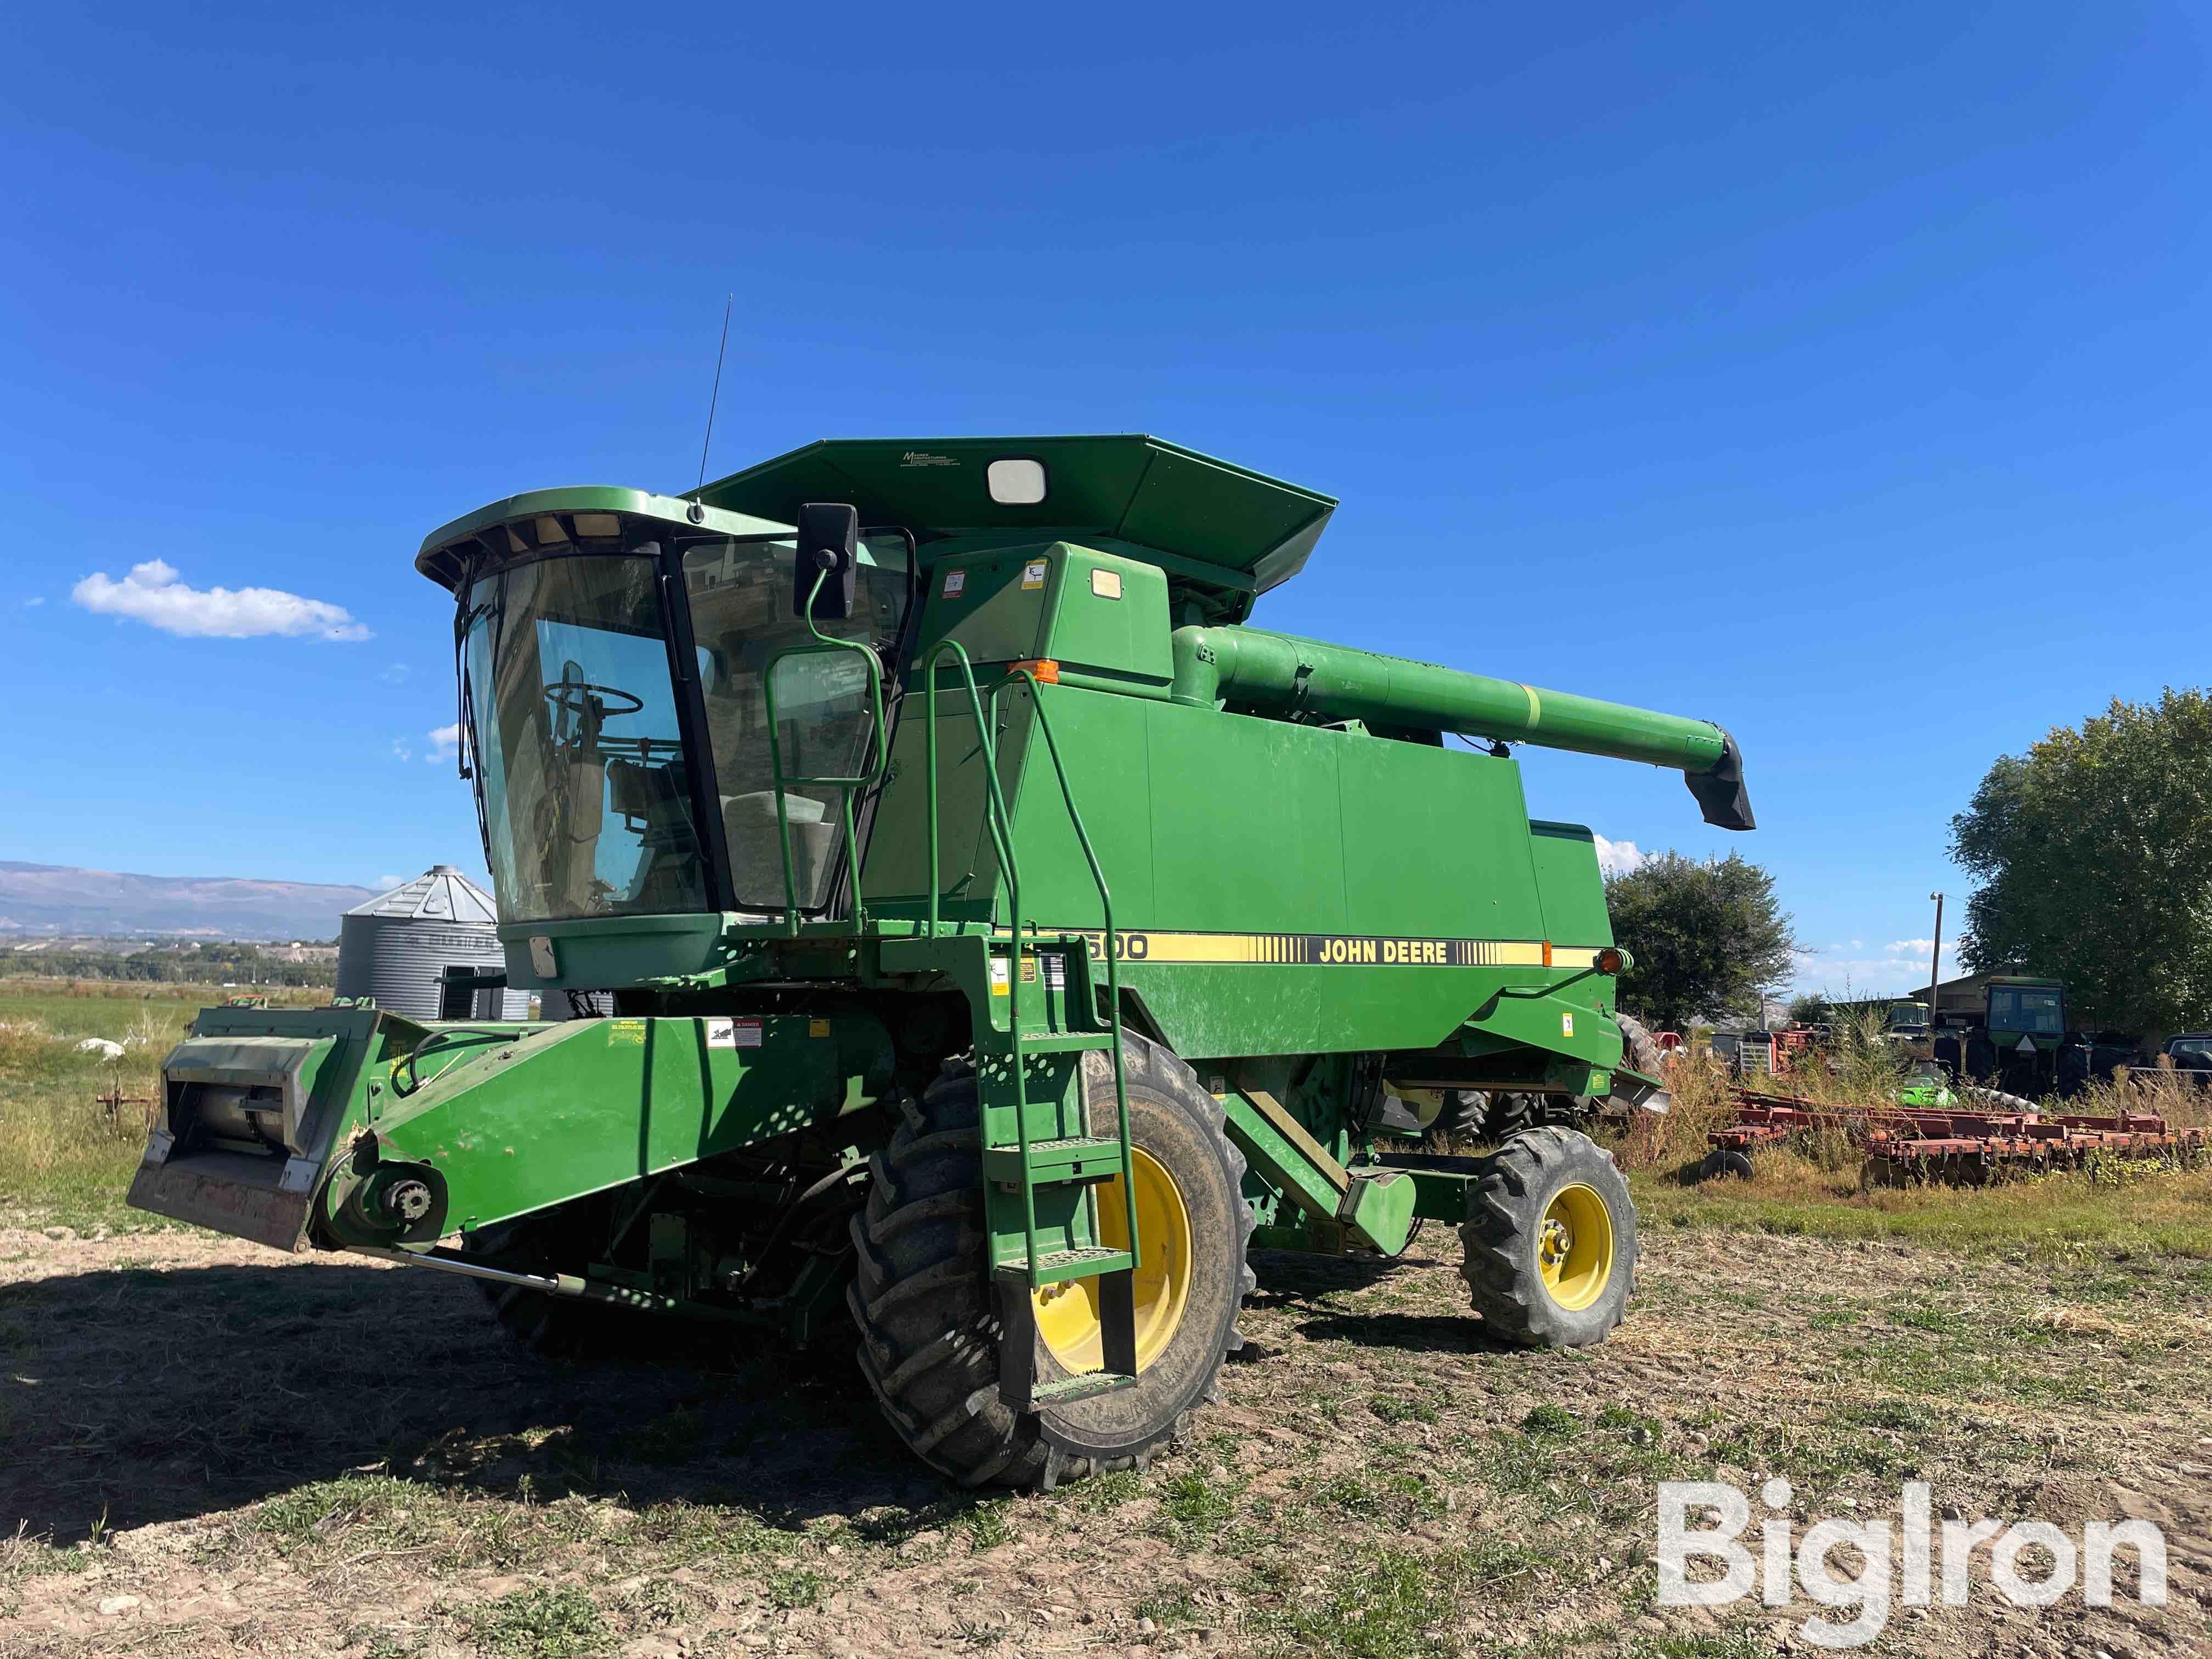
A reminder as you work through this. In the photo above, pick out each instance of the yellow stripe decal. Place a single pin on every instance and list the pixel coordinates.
(1328, 949)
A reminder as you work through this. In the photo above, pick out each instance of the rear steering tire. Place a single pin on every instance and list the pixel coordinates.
(1639, 1049)
(1466, 1115)
(1511, 1114)
(1478, 1114)
(923, 1297)
(1550, 1238)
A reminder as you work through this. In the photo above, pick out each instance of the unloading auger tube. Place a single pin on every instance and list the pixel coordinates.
(1280, 672)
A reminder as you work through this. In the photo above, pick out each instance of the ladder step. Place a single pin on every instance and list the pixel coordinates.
(1076, 1157)
(1061, 1390)
(1051, 1042)
(1055, 1267)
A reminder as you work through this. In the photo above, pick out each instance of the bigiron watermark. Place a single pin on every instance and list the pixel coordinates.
(1911, 1564)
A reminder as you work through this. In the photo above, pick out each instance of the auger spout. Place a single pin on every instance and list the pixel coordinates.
(1281, 673)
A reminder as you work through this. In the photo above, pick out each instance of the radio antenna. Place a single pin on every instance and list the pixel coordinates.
(717, 397)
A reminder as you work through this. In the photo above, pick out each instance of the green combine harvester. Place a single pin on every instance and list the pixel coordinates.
(979, 940)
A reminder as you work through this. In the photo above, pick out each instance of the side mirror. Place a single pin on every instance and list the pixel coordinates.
(829, 542)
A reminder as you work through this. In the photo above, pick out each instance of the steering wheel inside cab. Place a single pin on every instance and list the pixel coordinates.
(581, 707)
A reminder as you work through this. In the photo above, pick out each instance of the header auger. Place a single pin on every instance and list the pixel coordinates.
(977, 939)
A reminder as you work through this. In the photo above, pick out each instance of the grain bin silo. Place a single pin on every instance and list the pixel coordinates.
(394, 948)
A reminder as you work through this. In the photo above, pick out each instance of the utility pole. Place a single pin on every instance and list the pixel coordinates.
(1934, 962)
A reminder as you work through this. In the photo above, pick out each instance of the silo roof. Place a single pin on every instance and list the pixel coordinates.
(441, 893)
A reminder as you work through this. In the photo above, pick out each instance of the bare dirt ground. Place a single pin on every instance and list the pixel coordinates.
(212, 1449)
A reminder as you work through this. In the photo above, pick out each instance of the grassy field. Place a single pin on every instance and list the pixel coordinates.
(208, 1449)
(63, 1160)
(366, 1467)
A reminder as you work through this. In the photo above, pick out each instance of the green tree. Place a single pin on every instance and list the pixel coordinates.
(2094, 854)
(1708, 937)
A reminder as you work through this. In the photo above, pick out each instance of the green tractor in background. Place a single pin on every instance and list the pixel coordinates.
(1906, 1022)
(2024, 1049)
(979, 938)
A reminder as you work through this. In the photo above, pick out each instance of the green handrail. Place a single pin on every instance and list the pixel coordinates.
(844, 786)
(1001, 829)
(1113, 977)
(1000, 825)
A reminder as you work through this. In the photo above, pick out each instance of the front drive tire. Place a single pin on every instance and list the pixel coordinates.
(1551, 1241)
(923, 1295)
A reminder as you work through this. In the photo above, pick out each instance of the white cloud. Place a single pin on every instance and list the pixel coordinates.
(385, 884)
(396, 674)
(152, 594)
(445, 744)
(39, 600)
(402, 750)
(1902, 969)
(1618, 858)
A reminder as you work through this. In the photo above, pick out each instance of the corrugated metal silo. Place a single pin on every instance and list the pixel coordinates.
(394, 948)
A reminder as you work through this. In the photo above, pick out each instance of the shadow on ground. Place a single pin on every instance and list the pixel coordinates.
(137, 1395)
(1314, 1284)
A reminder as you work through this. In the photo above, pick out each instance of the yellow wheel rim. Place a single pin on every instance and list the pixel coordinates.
(1067, 1314)
(1574, 1247)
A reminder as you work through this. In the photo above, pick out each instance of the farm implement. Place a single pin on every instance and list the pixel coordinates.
(1958, 1144)
(978, 939)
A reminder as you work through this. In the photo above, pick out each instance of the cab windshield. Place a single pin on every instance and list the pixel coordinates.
(579, 768)
(588, 793)
(2026, 1009)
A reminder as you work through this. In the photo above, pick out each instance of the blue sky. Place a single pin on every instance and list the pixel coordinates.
(1837, 375)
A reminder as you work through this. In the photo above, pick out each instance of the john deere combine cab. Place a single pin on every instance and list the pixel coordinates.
(978, 939)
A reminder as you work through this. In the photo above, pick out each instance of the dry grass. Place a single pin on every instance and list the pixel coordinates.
(1378, 1477)
(1703, 1100)
(2158, 1090)
(1813, 1184)
(64, 1161)
(52, 1125)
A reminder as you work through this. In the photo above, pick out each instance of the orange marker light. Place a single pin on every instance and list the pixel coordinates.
(1046, 671)
(1609, 961)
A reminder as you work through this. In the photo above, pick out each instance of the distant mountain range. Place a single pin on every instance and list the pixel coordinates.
(46, 899)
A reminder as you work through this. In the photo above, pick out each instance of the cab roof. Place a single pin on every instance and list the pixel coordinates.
(1211, 526)
(574, 517)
